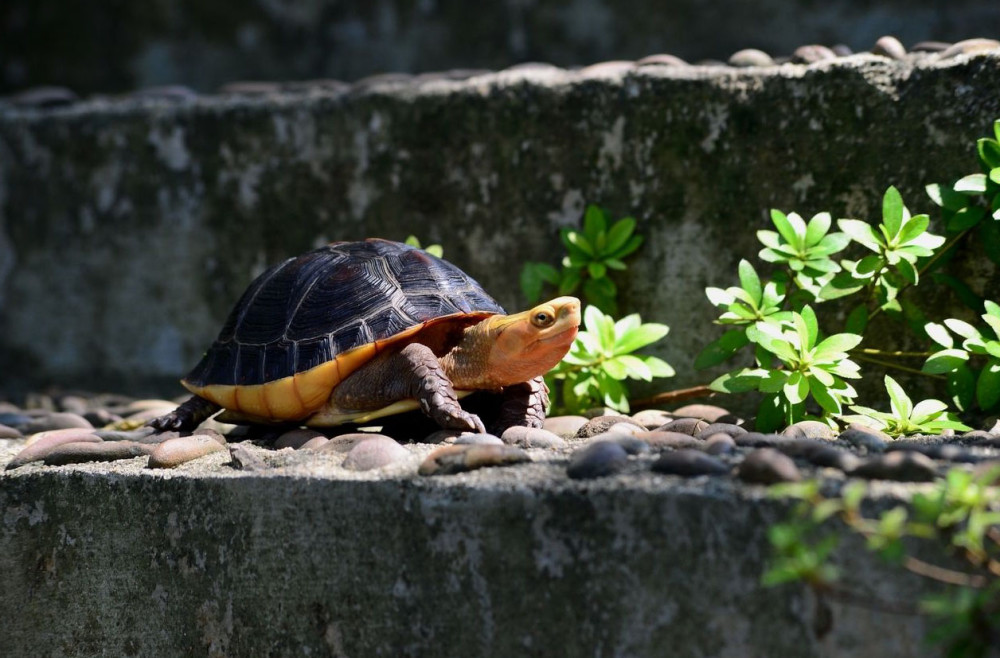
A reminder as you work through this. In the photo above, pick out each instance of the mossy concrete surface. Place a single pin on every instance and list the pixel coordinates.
(310, 559)
(129, 228)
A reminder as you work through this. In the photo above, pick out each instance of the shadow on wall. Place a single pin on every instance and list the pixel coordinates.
(113, 45)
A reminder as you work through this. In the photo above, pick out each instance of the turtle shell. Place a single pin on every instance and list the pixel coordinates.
(307, 323)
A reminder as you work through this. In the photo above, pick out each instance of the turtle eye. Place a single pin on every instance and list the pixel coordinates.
(542, 319)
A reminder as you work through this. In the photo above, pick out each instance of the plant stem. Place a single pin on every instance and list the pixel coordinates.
(878, 352)
(669, 397)
(889, 364)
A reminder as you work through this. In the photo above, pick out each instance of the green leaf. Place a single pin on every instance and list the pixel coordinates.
(861, 232)
(835, 346)
(989, 152)
(972, 184)
(770, 414)
(749, 281)
(635, 367)
(944, 361)
(580, 241)
(796, 388)
(899, 401)
(962, 387)
(963, 329)
(821, 393)
(939, 334)
(412, 241)
(619, 233)
(657, 367)
(739, 381)
(630, 245)
(593, 222)
(857, 320)
(811, 328)
(569, 281)
(905, 268)
(597, 270)
(817, 228)
(988, 385)
(892, 212)
(965, 218)
(912, 228)
(831, 244)
(435, 250)
(721, 349)
(719, 297)
(615, 368)
(946, 197)
(641, 336)
(533, 278)
(786, 228)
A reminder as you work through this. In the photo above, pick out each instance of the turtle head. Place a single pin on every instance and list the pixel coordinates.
(528, 344)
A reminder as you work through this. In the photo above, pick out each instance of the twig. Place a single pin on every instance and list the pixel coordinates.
(943, 575)
(878, 352)
(888, 364)
(670, 397)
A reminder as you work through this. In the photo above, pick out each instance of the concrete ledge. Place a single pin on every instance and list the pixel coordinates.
(311, 559)
(128, 229)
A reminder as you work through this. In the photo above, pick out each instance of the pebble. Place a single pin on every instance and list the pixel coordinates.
(969, 47)
(768, 466)
(946, 451)
(458, 458)
(314, 443)
(59, 420)
(564, 426)
(215, 434)
(597, 459)
(689, 426)
(244, 459)
(977, 435)
(707, 412)
(661, 59)
(250, 88)
(375, 452)
(174, 452)
(609, 68)
(902, 466)
(345, 442)
(889, 46)
(720, 428)
(750, 57)
(16, 420)
(866, 437)
(930, 46)
(73, 404)
(479, 440)
(810, 54)
(597, 412)
(141, 435)
(43, 97)
(720, 444)
(441, 436)
(296, 438)
(652, 418)
(9, 432)
(101, 417)
(166, 93)
(660, 439)
(820, 453)
(759, 440)
(602, 424)
(532, 437)
(102, 451)
(631, 444)
(40, 445)
(809, 429)
(842, 50)
(689, 463)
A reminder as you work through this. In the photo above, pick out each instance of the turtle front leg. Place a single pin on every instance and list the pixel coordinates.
(186, 417)
(523, 405)
(411, 373)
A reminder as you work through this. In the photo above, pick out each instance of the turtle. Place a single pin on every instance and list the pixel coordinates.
(355, 331)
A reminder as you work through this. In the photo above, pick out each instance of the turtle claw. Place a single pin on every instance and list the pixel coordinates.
(186, 417)
(461, 420)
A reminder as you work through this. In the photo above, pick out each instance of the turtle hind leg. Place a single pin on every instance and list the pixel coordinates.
(523, 405)
(186, 417)
(411, 373)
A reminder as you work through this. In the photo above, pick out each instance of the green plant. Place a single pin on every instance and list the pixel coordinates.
(602, 358)
(893, 255)
(973, 367)
(926, 417)
(959, 516)
(432, 249)
(590, 254)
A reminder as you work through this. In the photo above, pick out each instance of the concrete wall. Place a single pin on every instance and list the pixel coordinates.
(108, 45)
(502, 562)
(128, 229)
